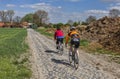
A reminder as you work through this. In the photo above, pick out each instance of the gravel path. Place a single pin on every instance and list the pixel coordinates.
(48, 64)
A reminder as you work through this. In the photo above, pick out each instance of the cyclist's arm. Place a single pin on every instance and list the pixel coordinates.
(67, 39)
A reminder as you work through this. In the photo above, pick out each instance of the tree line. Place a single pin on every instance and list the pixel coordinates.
(40, 17)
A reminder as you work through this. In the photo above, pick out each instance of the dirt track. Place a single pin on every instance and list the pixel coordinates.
(47, 64)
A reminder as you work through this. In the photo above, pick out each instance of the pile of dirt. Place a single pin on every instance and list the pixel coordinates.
(51, 30)
(106, 31)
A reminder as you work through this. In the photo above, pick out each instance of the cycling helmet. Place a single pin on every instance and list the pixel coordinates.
(72, 28)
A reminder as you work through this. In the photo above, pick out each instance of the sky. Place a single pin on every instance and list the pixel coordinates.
(62, 10)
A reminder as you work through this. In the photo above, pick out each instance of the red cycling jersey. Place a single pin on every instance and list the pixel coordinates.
(58, 34)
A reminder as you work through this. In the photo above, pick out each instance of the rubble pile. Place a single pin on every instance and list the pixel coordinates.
(106, 31)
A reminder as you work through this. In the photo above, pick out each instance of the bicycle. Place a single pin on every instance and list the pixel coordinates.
(60, 48)
(74, 56)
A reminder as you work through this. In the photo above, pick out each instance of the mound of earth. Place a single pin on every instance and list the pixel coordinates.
(106, 31)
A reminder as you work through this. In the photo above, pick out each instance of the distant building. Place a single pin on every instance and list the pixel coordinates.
(2, 24)
(25, 24)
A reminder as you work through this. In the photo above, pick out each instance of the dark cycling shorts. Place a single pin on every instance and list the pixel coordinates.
(76, 43)
(59, 40)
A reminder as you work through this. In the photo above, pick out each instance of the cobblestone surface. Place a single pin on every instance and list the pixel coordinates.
(48, 64)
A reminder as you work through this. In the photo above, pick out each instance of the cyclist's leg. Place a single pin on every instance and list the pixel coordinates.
(61, 40)
(72, 48)
(57, 43)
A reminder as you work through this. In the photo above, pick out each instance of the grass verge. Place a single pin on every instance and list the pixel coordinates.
(12, 46)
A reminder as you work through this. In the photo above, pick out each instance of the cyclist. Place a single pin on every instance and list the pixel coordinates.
(58, 36)
(74, 37)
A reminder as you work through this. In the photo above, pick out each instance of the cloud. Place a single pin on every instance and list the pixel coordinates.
(41, 6)
(64, 17)
(10, 5)
(73, 0)
(21, 14)
(97, 12)
(53, 11)
(61, 0)
(115, 6)
(111, 0)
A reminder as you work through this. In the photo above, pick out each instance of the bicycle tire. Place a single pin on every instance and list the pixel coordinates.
(60, 48)
(70, 57)
(76, 60)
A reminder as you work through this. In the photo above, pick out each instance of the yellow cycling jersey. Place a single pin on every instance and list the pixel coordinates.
(70, 34)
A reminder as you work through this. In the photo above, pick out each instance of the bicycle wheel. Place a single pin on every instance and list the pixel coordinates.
(70, 57)
(76, 60)
(61, 49)
(58, 48)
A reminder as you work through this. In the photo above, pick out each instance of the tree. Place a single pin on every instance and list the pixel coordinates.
(36, 19)
(75, 24)
(3, 16)
(42, 16)
(17, 19)
(10, 14)
(114, 13)
(90, 19)
(70, 22)
(28, 18)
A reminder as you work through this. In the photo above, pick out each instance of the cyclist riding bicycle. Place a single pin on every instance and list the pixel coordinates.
(58, 36)
(74, 37)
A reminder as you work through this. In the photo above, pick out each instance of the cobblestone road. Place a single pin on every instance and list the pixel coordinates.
(48, 64)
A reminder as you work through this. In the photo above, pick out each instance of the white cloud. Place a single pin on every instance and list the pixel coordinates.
(41, 6)
(111, 0)
(10, 5)
(97, 12)
(74, 0)
(115, 6)
(59, 7)
(21, 14)
(64, 17)
(54, 11)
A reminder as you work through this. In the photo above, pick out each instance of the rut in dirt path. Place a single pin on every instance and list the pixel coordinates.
(48, 64)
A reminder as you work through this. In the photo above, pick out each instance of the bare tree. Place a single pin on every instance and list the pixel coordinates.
(43, 16)
(3, 16)
(17, 19)
(114, 13)
(70, 22)
(10, 14)
(90, 19)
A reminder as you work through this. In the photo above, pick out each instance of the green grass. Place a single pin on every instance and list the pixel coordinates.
(43, 31)
(12, 46)
(84, 43)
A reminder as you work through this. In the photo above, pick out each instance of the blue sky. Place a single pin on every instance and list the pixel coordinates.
(62, 10)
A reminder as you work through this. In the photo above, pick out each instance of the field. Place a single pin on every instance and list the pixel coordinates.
(12, 47)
